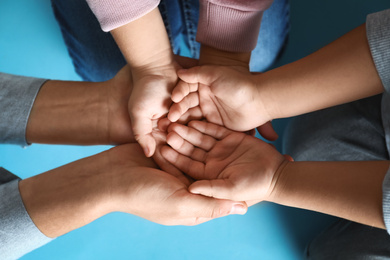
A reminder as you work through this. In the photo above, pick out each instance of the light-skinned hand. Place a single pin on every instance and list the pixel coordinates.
(227, 164)
(152, 194)
(225, 95)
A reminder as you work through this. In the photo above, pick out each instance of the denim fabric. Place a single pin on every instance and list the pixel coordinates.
(96, 56)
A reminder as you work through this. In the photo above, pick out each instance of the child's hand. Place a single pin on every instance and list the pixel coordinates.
(228, 164)
(225, 96)
(150, 101)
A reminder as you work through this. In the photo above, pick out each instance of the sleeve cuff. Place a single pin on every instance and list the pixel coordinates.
(17, 96)
(229, 28)
(18, 233)
(112, 14)
(378, 36)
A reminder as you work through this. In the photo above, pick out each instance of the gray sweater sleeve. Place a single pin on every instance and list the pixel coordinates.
(378, 35)
(17, 96)
(18, 233)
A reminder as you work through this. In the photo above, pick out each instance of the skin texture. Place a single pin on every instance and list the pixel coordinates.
(339, 73)
(233, 165)
(145, 45)
(120, 179)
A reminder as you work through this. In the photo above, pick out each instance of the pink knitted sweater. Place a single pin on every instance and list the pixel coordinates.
(230, 25)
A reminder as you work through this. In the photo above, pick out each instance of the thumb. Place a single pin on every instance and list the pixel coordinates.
(205, 208)
(219, 188)
(142, 130)
(267, 131)
(199, 74)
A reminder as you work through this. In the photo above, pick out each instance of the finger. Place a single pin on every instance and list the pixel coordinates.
(186, 62)
(288, 157)
(178, 109)
(169, 168)
(163, 124)
(142, 129)
(213, 130)
(187, 165)
(200, 74)
(219, 188)
(193, 136)
(185, 148)
(267, 131)
(182, 89)
(192, 114)
(205, 208)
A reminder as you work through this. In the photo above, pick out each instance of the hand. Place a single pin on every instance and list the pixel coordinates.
(225, 96)
(150, 100)
(145, 191)
(117, 93)
(228, 164)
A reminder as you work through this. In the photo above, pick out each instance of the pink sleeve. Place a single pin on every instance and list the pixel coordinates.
(112, 14)
(230, 25)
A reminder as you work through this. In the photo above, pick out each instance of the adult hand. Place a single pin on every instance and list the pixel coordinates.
(228, 164)
(141, 189)
(225, 95)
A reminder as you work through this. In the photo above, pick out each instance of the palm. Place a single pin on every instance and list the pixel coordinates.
(156, 195)
(241, 164)
(226, 96)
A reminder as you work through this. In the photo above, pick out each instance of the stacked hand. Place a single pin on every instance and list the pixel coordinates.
(227, 164)
(226, 96)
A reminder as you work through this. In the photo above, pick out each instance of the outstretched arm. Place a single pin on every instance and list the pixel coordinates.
(145, 45)
(83, 113)
(121, 179)
(341, 72)
(232, 165)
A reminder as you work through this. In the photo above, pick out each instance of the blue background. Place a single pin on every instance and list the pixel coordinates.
(31, 44)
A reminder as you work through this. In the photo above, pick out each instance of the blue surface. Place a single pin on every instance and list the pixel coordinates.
(31, 44)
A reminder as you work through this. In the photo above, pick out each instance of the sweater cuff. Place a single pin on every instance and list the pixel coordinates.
(17, 96)
(18, 233)
(112, 14)
(386, 200)
(228, 28)
(378, 35)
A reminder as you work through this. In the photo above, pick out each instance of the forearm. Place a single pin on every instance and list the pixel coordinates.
(69, 112)
(213, 56)
(341, 72)
(350, 190)
(68, 197)
(144, 42)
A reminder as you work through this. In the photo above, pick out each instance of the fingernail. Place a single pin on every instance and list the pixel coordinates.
(238, 209)
(146, 151)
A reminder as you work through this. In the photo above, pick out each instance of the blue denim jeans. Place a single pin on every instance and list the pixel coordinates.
(96, 56)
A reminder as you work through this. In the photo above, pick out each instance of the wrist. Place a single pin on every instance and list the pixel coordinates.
(275, 191)
(213, 56)
(68, 197)
(268, 96)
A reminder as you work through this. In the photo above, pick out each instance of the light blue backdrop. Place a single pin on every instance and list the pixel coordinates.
(31, 44)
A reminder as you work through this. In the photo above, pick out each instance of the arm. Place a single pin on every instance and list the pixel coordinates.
(348, 69)
(228, 31)
(350, 190)
(52, 199)
(146, 47)
(233, 165)
(84, 113)
(341, 72)
(61, 200)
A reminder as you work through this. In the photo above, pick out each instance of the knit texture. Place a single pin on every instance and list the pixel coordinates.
(230, 25)
(17, 96)
(378, 36)
(112, 14)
